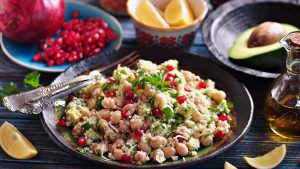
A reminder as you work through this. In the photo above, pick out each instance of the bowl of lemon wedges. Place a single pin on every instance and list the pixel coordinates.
(166, 23)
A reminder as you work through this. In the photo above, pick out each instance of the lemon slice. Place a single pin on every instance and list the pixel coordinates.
(14, 143)
(227, 165)
(269, 160)
(148, 14)
(179, 13)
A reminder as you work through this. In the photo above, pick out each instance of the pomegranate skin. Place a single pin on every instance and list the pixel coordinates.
(30, 21)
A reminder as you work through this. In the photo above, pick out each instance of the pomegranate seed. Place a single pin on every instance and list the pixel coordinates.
(181, 99)
(43, 46)
(69, 98)
(139, 86)
(169, 68)
(135, 75)
(201, 84)
(110, 95)
(60, 61)
(219, 135)
(129, 94)
(112, 80)
(172, 86)
(62, 122)
(126, 159)
(157, 112)
(223, 117)
(126, 102)
(75, 14)
(180, 138)
(81, 141)
(84, 37)
(170, 78)
(37, 57)
(298, 161)
(187, 89)
(125, 114)
(50, 63)
(139, 132)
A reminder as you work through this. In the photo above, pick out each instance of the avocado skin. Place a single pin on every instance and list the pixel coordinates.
(265, 61)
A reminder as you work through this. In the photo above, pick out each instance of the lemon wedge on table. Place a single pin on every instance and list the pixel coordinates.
(179, 13)
(147, 13)
(269, 160)
(227, 165)
(14, 143)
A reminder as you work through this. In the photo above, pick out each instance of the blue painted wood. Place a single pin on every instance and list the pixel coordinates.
(259, 140)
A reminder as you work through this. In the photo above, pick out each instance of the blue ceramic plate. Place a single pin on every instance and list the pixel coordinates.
(23, 54)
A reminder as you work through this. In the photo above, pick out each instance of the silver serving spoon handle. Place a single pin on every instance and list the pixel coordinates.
(31, 102)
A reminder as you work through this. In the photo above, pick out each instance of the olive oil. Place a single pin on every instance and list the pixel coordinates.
(284, 116)
(282, 104)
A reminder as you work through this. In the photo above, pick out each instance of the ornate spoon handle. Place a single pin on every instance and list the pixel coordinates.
(41, 95)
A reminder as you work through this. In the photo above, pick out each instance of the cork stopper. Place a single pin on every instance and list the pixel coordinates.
(295, 39)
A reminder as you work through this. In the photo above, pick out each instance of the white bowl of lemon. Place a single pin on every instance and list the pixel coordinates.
(166, 23)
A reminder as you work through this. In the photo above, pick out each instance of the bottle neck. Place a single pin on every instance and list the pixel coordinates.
(293, 61)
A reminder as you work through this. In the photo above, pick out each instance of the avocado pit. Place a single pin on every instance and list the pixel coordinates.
(266, 33)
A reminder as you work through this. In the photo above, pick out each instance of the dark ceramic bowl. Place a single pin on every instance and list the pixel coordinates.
(224, 25)
(236, 91)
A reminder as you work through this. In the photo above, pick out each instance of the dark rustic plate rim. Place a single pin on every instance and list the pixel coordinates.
(221, 12)
(59, 139)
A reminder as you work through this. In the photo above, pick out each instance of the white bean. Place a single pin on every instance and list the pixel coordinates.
(158, 156)
(158, 142)
(116, 117)
(182, 149)
(196, 116)
(136, 123)
(104, 114)
(141, 157)
(123, 127)
(144, 146)
(108, 103)
(118, 153)
(169, 152)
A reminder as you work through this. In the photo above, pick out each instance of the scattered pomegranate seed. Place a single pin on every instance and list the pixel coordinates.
(75, 14)
(181, 99)
(172, 86)
(126, 102)
(70, 98)
(169, 68)
(201, 84)
(111, 80)
(81, 141)
(37, 57)
(135, 75)
(126, 159)
(62, 122)
(125, 114)
(110, 95)
(187, 89)
(219, 135)
(180, 139)
(170, 78)
(139, 86)
(223, 117)
(157, 112)
(78, 38)
(139, 132)
(129, 94)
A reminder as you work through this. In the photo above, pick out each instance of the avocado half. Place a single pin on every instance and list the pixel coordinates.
(264, 57)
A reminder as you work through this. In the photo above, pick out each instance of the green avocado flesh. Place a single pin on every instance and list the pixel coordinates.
(264, 57)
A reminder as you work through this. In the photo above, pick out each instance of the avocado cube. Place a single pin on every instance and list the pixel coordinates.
(92, 134)
(74, 114)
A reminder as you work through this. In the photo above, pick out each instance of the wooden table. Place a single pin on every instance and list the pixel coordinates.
(259, 140)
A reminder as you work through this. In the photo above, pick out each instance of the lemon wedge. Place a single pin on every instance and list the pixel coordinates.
(14, 143)
(147, 13)
(269, 160)
(227, 165)
(178, 13)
